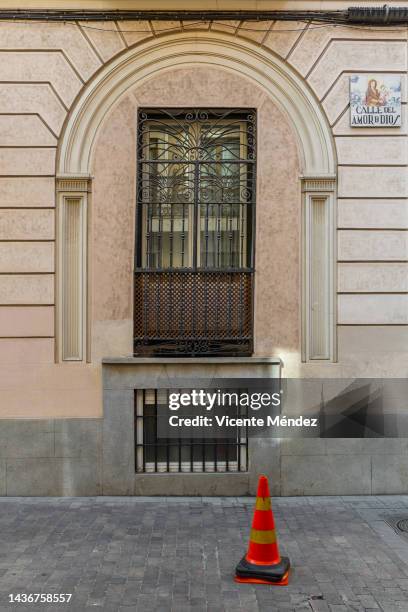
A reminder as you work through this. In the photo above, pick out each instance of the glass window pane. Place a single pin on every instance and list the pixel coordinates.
(196, 190)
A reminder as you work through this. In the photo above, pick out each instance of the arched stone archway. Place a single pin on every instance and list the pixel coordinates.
(268, 73)
(289, 92)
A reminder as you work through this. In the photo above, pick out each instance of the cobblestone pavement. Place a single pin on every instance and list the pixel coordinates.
(177, 554)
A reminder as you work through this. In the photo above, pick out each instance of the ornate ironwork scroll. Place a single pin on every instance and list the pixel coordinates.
(194, 231)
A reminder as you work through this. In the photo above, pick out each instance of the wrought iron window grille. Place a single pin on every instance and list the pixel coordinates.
(196, 178)
(154, 454)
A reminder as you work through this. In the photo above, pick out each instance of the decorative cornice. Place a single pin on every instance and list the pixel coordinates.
(73, 183)
(318, 183)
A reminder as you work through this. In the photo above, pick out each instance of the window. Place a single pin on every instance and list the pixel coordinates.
(157, 454)
(195, 222)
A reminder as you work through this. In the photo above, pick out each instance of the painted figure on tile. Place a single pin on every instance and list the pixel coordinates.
(373, 95)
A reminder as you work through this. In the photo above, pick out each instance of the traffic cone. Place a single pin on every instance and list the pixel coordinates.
(263, 564)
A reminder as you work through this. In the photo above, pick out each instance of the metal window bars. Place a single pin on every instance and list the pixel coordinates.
(155, 454)
(194, 231)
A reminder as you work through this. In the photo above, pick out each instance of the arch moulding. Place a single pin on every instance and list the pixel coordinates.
(289, 92)
(291, 95)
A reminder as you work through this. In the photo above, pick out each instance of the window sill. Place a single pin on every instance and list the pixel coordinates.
(173, 360)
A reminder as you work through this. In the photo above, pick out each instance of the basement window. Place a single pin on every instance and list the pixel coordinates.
(154, 454)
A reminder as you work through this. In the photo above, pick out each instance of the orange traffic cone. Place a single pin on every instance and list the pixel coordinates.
(263, 564)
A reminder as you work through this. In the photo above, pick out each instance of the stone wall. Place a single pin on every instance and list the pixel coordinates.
(86, 457)
(43, 68)
(50, 457)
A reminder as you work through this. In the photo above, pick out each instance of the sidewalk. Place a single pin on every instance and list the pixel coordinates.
(177, 554)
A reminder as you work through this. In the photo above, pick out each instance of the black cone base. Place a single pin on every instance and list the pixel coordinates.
(273, 574)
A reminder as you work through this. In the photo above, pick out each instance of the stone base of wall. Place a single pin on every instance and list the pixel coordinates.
(344, 466)
(87, 457)
(69, 458)
(60, 457)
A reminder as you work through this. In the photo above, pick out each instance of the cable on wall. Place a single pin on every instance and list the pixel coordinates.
(365, 16)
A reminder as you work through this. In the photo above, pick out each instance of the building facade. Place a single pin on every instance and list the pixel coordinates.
(189, 199)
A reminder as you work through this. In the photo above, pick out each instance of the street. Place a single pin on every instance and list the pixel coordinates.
(179, 554)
